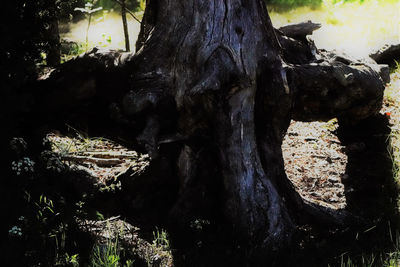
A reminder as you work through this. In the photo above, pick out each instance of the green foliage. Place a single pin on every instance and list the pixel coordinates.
(282, 5)
(112, 4)
(88, 10)
(285, 5)
(43, 215)
(110, 253)
(106, 255)
(160, 239)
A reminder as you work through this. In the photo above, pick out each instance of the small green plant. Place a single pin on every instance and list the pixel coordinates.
(160, 239)
(70, 50)
(67, 260)
(88, 10)
(110, 253)
(44, 206)
(106, 255)
(106, 40)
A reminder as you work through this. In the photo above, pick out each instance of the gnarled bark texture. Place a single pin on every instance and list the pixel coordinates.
(217, 80)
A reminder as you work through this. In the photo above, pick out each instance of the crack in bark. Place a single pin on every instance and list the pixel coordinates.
(225, 18)
(213, 23)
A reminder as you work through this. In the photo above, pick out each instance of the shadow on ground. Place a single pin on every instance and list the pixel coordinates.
(371, 194)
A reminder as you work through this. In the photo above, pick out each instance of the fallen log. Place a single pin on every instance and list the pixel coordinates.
(299, 31)
(387, 54)
(106, 154)
(101, 162)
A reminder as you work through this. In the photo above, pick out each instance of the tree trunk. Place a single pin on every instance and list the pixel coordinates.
(54, 51)
(215, 79)
(125, 26)
(213, 58)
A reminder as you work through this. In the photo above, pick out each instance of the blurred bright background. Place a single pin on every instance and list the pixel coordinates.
(353, 27)
(106, 30)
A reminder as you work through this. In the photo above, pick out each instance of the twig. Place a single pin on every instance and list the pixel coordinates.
(97, 161)
(130, 12)
(107, 154)
(109, 219)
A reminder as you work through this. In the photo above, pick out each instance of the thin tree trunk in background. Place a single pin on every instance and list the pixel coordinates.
(87, 31)
(125, 25)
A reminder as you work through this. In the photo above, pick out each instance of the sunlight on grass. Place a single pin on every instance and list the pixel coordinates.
(350, 27)
(105, 31)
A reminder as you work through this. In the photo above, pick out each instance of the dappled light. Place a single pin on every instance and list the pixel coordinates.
(354, 28)
(105, 31)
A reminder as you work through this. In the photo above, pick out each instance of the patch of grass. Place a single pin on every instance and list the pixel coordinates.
(161, 239)
(285, 5)
(79, 143)
(106, 255)
(110, 253)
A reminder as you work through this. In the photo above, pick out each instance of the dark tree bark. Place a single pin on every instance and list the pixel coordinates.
(387, 54)
(54, 53)
(215, 79)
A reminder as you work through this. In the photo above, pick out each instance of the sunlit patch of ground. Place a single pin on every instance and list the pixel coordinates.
(315, 162)
(100, 157)
(106, 30)
(354, 28)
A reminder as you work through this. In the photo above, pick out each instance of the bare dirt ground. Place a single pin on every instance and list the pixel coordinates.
(315, 162)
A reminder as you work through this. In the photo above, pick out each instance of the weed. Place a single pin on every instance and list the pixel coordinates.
(160, 239)
(88, 10)
(106, 255)
(111, 253)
